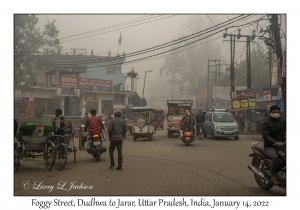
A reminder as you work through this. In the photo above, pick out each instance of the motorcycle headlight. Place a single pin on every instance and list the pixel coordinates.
(217, 127)
(236, 127)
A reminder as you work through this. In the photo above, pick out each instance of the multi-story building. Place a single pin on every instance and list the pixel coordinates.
(75, 83)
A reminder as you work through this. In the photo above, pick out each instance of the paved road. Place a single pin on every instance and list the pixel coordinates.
(164, 166)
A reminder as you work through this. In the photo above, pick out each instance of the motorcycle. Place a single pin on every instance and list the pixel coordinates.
(187, 137)
(96, 147)
(261, 166)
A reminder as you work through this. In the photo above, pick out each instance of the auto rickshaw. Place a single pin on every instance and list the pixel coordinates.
(143, 123)
(159, 118)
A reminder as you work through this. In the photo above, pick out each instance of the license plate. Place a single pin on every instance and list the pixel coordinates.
(141, 131)
(96, 143)
(228, 132)
(187, 138)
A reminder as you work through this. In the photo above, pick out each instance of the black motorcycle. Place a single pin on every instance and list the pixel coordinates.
(261, 166)
(96, 148)
(188, 136)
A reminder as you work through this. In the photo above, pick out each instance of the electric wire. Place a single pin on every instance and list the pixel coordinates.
(115, 30)
(109, 59)
(137, 60)
(112, 26)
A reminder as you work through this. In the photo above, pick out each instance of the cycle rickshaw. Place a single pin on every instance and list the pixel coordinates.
(32, 141)
(36, 140)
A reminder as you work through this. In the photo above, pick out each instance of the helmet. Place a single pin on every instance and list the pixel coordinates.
(187, 112)
(117, 112)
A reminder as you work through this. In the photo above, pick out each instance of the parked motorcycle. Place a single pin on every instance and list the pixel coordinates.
(187, 137)
(261, 166)
(96, 147)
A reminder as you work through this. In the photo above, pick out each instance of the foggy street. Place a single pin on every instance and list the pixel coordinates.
(162, 167)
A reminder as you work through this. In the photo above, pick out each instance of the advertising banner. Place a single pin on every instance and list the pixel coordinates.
(241, 99)
(221, 96)
(29, 107)
(274, 72)
(284, 65)
(94, 84)
(68, 84)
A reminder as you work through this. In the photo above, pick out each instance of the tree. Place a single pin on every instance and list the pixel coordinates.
(29, 41)
(190, 64)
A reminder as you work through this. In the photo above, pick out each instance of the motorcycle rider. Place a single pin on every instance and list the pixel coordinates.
(200, 118)
(187, 122)
(273, 132)
(95, 125)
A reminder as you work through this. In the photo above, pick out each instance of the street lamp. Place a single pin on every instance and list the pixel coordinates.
(144, 83)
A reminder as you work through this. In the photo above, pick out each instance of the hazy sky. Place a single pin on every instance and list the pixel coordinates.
(138, 32)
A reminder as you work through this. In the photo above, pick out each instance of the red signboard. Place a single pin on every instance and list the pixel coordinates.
(29, 107)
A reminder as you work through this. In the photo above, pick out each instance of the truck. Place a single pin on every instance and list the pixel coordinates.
(176, 110)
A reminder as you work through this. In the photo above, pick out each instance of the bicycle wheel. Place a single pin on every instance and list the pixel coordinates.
(49, 157)
(61, 157)
(16, 158)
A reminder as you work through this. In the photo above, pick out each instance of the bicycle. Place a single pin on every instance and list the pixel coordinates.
(60, 152)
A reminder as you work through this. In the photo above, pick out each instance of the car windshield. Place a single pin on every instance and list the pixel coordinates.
(223, 117)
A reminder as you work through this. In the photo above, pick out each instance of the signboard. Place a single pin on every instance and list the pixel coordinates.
(68, 84)
(267, 95)
(17, 97)
(284, 65)
(94, 84)
(221, 97)
(274, 72)
(240, 99)
(90, 97)
(29, 107)
(118, 99)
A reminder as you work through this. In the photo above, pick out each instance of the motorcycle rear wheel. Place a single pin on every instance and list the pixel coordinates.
(261, 182)
(97, 155)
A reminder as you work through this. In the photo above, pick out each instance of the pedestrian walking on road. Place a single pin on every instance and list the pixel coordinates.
(117, 131)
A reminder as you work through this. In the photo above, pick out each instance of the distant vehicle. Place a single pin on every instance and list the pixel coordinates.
(220, 123)
(143, 123)
(159, 118)
(176, 110)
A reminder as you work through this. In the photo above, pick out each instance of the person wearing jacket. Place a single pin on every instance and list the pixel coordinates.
(94, 125)
(117, 130)
(273, 132)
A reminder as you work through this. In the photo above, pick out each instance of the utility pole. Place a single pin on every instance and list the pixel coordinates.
(278, 51)
(209, 90)
(249, 85)
(232, 51)
(232, 47)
